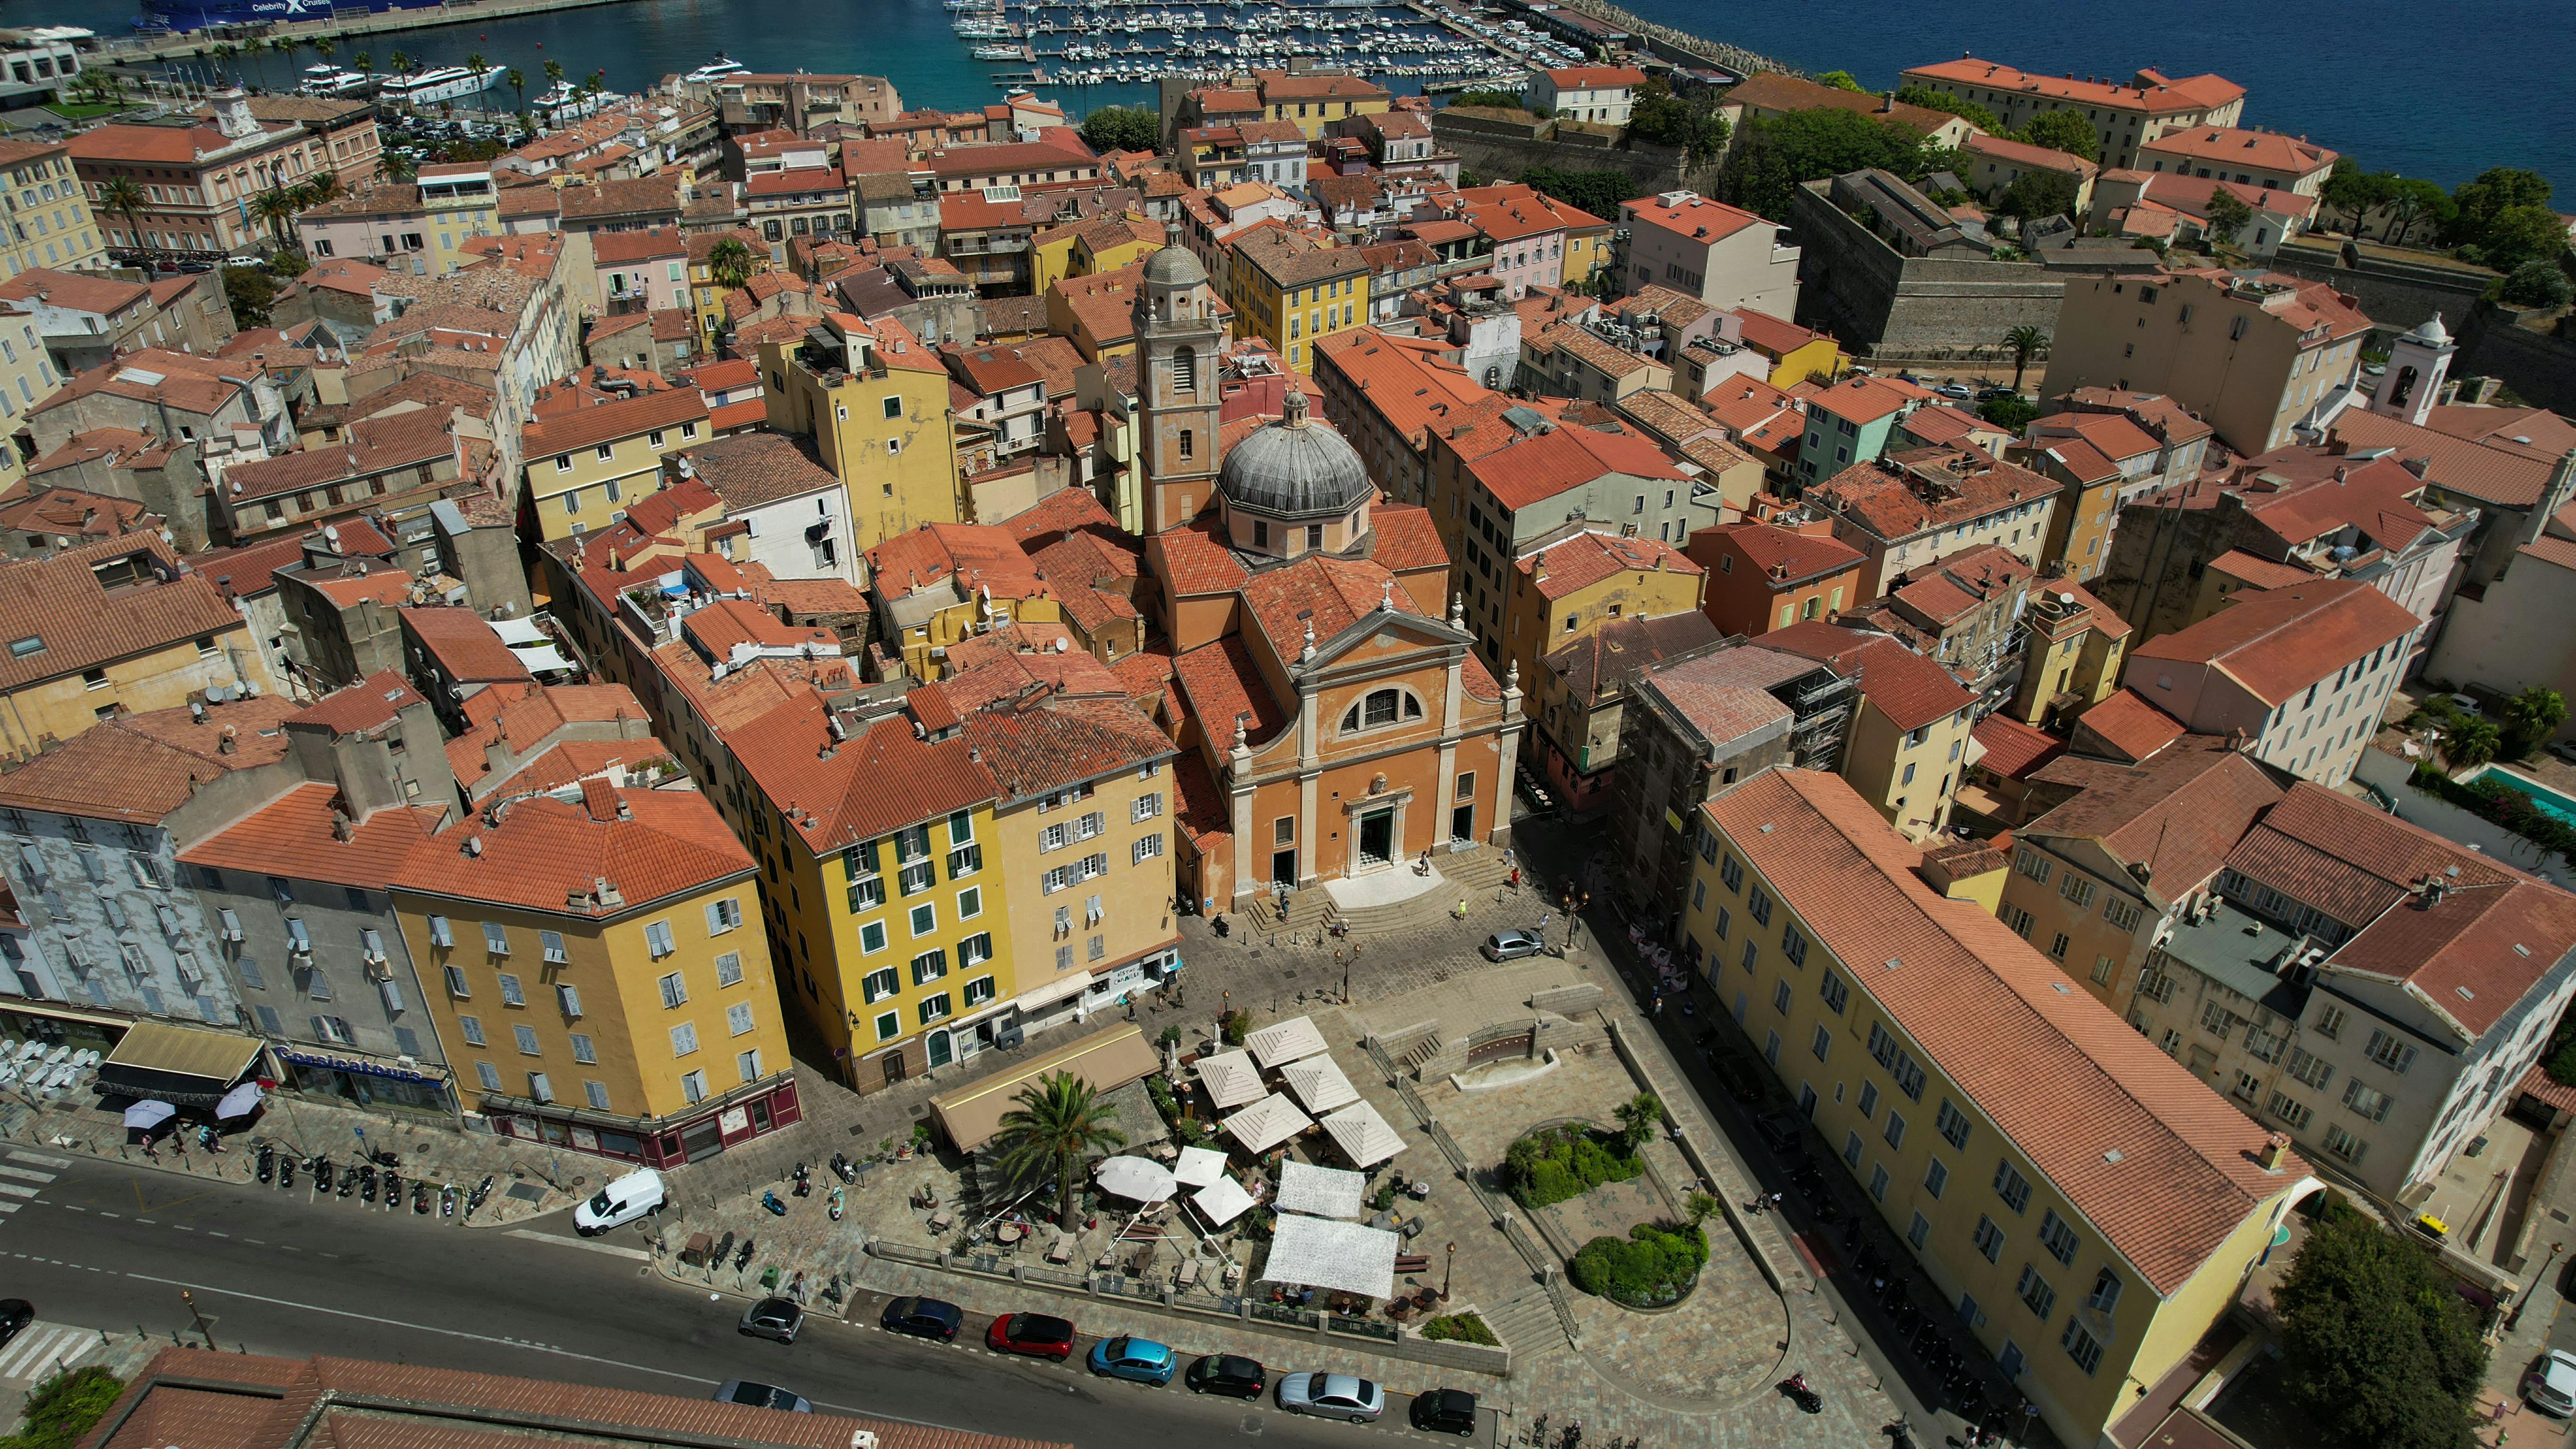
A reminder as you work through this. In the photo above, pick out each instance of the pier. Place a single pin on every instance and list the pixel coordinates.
(196, 44)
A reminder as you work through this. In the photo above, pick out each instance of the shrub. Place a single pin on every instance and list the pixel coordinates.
(1557, 1163)
(62, 1409)
(2537, 284)
(1655, 1265)
(1237, 1027)
(1460, 1328)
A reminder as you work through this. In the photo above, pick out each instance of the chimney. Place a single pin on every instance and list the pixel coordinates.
(226, 744)
(2275, 1145)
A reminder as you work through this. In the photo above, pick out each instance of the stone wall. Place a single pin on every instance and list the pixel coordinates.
(1497, 149)
(2530, 352)
(2396, 288)
(1887, 306)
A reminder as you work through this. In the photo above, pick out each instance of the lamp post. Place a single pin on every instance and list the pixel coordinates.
(190, 1299)
(1448, 1271)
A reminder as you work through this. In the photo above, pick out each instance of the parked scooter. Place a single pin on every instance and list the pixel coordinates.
(803, 1187)
(267, 1163)
(393, 1188)
(1807, 1399)
(475, 1198)
(321, 1175)
(836, 1204)
(286, 1173)
(832, 1291)
(742, 1256)
(447, 1200)
(770, 1200)
(419, 1198)
(844, 1169)
(367, 1182)
(348, 1181)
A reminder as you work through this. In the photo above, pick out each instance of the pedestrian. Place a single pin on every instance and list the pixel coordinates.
(1755, 1207)
(1778, 1198)
(1516, 878)
(1461, 912)
(1659, 1003)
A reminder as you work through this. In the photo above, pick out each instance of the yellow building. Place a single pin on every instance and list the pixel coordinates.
(1314, 100)
(893, 927)
(2087, 1208)
(1587, 251)
(1564, 589)
(936, 586)
(706, 294)
(1293, 288)
(597, 973)
(109, 628)
(1912, 739)
(875, 401)
(49, 217)
(26, 371)
(2076, 645)
(586, 467)
(1794, 352)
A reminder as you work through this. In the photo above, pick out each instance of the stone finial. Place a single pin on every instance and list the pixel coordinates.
(1512, 675)
(1386, 597)
(1307, 654)
(1458, 611)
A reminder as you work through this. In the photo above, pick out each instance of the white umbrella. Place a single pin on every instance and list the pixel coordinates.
(1134, 1177)
(238, 1102)
(149, 1114)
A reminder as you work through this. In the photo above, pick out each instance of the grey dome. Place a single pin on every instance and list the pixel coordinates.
(1294, 468)
(1174, 266)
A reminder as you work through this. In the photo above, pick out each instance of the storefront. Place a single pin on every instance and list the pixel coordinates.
(364, 1081)
(755, 1109)
(1077, 998)
(24, 1020)
(186, 1066)
(970, 1115)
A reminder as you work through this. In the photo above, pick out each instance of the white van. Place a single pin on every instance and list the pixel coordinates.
(635, 1195)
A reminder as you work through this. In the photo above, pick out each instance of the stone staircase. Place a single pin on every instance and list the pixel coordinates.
(1473, 874)
(1527, 1324)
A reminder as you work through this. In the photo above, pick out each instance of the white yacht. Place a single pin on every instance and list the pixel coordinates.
(442, 83)
(331, 80)
(718, 69)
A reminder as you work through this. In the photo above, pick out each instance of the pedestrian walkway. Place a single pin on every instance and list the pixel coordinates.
(44, 1349)
(24, 1175)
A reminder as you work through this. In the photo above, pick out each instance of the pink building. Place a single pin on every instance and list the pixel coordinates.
(641, 271)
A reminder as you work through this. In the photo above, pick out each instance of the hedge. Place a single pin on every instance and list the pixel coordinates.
(1461, 1327)
(1557, 1163)
(1654, 1266)
(2501, 804)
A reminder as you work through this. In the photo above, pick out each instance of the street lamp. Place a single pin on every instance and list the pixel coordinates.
(190, 1299)
(1448, 1271)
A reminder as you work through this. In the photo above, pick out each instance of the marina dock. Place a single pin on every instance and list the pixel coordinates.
(193, 44)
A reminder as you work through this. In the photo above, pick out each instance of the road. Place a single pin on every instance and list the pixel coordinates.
(108, 1246)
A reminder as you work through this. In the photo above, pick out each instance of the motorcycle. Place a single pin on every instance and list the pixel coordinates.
(419, 1198)
(724, 1248)
(1900, 1435)
(447, 1200)
(832, 1290)
(844, 1169)
(367, 1182)
(286, 1173)
(267, 1164)
(771, 1201)
(475, 1198)
(393, 1188)
(742, 1256)
(803, 1187)
(836, 1204)
(1807, 1399)
(348, 1181)
(322, 1175)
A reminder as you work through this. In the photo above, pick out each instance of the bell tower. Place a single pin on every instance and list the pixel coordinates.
(1178, 338)
(2418, 364)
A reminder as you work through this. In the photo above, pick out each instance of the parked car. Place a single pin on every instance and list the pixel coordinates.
(777, 1318)
(1513, 945)
(2565, 750)
(922, 1318)
(1955, 391)
(1989, 394)
(1332, 1396)
(1034, 1334)
(1779, 1131)
(2551, 1385)
(15, 1314)
(762, 1396)
(1227, 1374)
(1742, 1082)
(1444, 1411)
(1139, 1360)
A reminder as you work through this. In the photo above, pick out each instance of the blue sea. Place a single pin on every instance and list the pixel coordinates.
(2423, 91)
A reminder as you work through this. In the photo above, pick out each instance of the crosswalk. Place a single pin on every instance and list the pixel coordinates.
(24, 1175)
(43, 1349)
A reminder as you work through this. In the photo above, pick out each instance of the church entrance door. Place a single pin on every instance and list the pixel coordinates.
(1377, 839)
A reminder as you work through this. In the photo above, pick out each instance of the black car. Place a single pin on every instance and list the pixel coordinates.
(1223, 1373)
(923, 1318)
(1741, 1082)
(1444, 1411)
(15, 1314)
(1779, 1131)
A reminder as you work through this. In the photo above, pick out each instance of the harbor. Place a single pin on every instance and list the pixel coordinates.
(148, 46)
(1415, 47)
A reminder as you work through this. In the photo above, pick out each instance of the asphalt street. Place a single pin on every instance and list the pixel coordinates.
(108, 1246)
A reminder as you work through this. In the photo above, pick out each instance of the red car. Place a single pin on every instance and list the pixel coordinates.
(1034, 1334)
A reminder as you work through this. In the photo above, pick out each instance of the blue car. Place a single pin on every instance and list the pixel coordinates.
(1139, 1359)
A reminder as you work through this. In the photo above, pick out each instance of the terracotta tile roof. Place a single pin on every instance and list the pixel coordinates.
(465, 645)
(1195, 564)
(1320, 592)
(1294, 259)
(70, 513)
(750, 470)
(79, 624)
(1037, 742)
(2129, 724)
(2103, 621)
(1784, 556)
(1940, 426)
(75, 291)
(2292, 156)
(2261, 572)
(141, 767)
(1532, 468)
(251, 569)
(189, 384)
(1921, 489)
(1144, 674)
(1203, 809)
(2014, 749)
(878, 780)
(815, 596)
(590, 426)
(543, 854)
(1949, 588)
(367, 447)
(2163, 1167)
(1587, 558)
(1697, 218)
(122, 447)
(1725, 694)
(1909, 689)
(2149, 91)
(1221, 685)
(1063, 511)
(1666, 415)
(2177, 812)
(1406, 538)
(294, 835)
(1600, 665)
(2279, 641)
(372, 701)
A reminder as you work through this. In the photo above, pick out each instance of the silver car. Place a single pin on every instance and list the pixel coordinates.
(1513, 945)
(762, 1396)
(1332, 1396)
(2551, 1384)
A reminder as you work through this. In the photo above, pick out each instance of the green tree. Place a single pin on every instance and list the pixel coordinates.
(2520, 234)
(517, 80)
(554, 73)
(2353, 192)
(1840, 80)
(126, 195)
(1059, 1121)
(730, 263)
(63, 1409)
(2228, 216)
(1969, 111)
(250, 291)
(2037, 193)
(326, 47)
(2379, 1347)
(275, 206)
(223, 52)
(1661, 117)
(2473, 742)
(2413, 201)
(365, 63)
(1598, 192)
(2011, 413)
(2024, 343)
(2536, 284)
(2532, 716)
(1639, 1116)
(1775, 153)
(289, 263)
(2062, 131)
(1123, 128)
(401, 62)
(474, 61)
(2496, 190)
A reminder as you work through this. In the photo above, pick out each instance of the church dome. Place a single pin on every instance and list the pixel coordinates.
(1174, 266)
(2431, 332)
(1294, 468)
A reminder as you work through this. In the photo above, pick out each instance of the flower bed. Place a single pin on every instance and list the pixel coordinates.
(1655, 1266)
(1565, 1161)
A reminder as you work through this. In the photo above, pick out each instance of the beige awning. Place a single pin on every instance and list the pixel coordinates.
(1266, 1123)
(1231, 1079)
(1319, 1084)
(1363, 1135)
(189, 1066)
(1106, 1060)
(1285, 1041)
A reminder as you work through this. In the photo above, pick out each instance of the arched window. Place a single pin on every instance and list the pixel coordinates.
(2405, 387)
(1381, 708)
(1185, 370)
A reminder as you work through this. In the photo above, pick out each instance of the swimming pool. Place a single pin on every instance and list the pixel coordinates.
(2550, 802)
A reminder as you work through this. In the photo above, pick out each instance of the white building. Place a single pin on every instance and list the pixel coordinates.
(1600, 94)
(1723, 255)
(782, 509)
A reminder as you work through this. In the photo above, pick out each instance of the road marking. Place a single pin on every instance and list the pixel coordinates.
(38, 1158)
(41, 1346)
(534, 1236)
(210, 1232)
(106, 1214)
(17, 1189)
(25, 1175)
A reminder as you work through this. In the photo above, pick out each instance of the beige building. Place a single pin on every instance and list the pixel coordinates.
(1723, 255)
(2123, 116)
(586, 467)
(49, 216)
(2257, 355)
(1911, 740)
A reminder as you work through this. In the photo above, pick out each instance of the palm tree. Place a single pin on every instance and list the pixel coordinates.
(223, 52)
(2533, 716)
(2473, 742)
(255, 49)
(554, 73)
(276, 206)
(1059, 1121)
(2025, 342)
(365, 63)
(730, 263)
(324, 187)
(326, 47)
(400, 167)
(400, 62)
(518, 82)
(123, 193)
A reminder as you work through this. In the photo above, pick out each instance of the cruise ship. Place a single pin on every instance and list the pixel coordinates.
(443, 83)
(202, 14)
